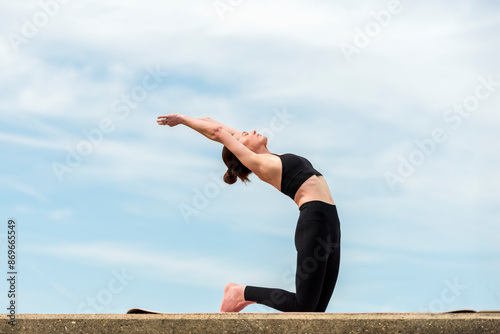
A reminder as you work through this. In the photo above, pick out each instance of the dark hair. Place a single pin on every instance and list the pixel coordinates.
(235, 168)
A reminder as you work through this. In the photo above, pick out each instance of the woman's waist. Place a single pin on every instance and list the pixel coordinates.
(314, 189)
(318, 211)
(320, 205)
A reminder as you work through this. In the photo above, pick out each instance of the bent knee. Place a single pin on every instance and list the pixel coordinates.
(307, 306)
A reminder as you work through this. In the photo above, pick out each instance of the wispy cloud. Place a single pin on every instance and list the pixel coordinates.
(30, 142)
(176, 267)
(61, 214)
(353, 121)
(23, 188)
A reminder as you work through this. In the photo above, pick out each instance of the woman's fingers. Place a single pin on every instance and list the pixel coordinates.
(171, 120)
(168, 116)
(165, 121)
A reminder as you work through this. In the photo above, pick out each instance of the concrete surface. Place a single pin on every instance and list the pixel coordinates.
(255, 323)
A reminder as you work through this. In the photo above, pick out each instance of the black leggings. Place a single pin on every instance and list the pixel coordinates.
(317, 240)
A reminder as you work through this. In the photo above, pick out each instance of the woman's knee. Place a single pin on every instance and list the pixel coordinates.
(307, 305)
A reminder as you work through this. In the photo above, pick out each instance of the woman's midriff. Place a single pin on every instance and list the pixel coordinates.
(314, 189)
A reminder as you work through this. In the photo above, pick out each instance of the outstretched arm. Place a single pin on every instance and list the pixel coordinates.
(218, 132)
(208, 129)
(225, 127)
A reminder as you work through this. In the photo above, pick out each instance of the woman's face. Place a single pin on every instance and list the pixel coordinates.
(252, 139)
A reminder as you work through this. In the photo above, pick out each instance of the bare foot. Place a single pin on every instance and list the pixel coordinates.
(234, 298)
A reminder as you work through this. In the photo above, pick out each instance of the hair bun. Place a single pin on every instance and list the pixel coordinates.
(235, 169)
(230, 177)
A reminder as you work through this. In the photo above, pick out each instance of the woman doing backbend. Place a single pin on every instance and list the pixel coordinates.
(317, 235)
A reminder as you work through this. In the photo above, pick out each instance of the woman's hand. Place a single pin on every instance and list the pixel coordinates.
(208, 129)
(170, 120)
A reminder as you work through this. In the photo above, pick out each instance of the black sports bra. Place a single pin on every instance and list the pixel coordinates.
(295, 171)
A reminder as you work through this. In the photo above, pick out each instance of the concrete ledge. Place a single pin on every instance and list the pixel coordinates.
(255, 323)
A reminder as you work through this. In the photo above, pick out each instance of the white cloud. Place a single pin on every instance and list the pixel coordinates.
(176, 267)
(30, 142)
(23, 188)
(61, 214)
(354, 120)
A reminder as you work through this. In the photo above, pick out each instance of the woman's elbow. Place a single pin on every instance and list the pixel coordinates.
(216, 133)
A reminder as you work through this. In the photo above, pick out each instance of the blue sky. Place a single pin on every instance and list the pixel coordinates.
(115, 212)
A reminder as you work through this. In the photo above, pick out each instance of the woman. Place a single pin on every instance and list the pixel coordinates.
(317, 235)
